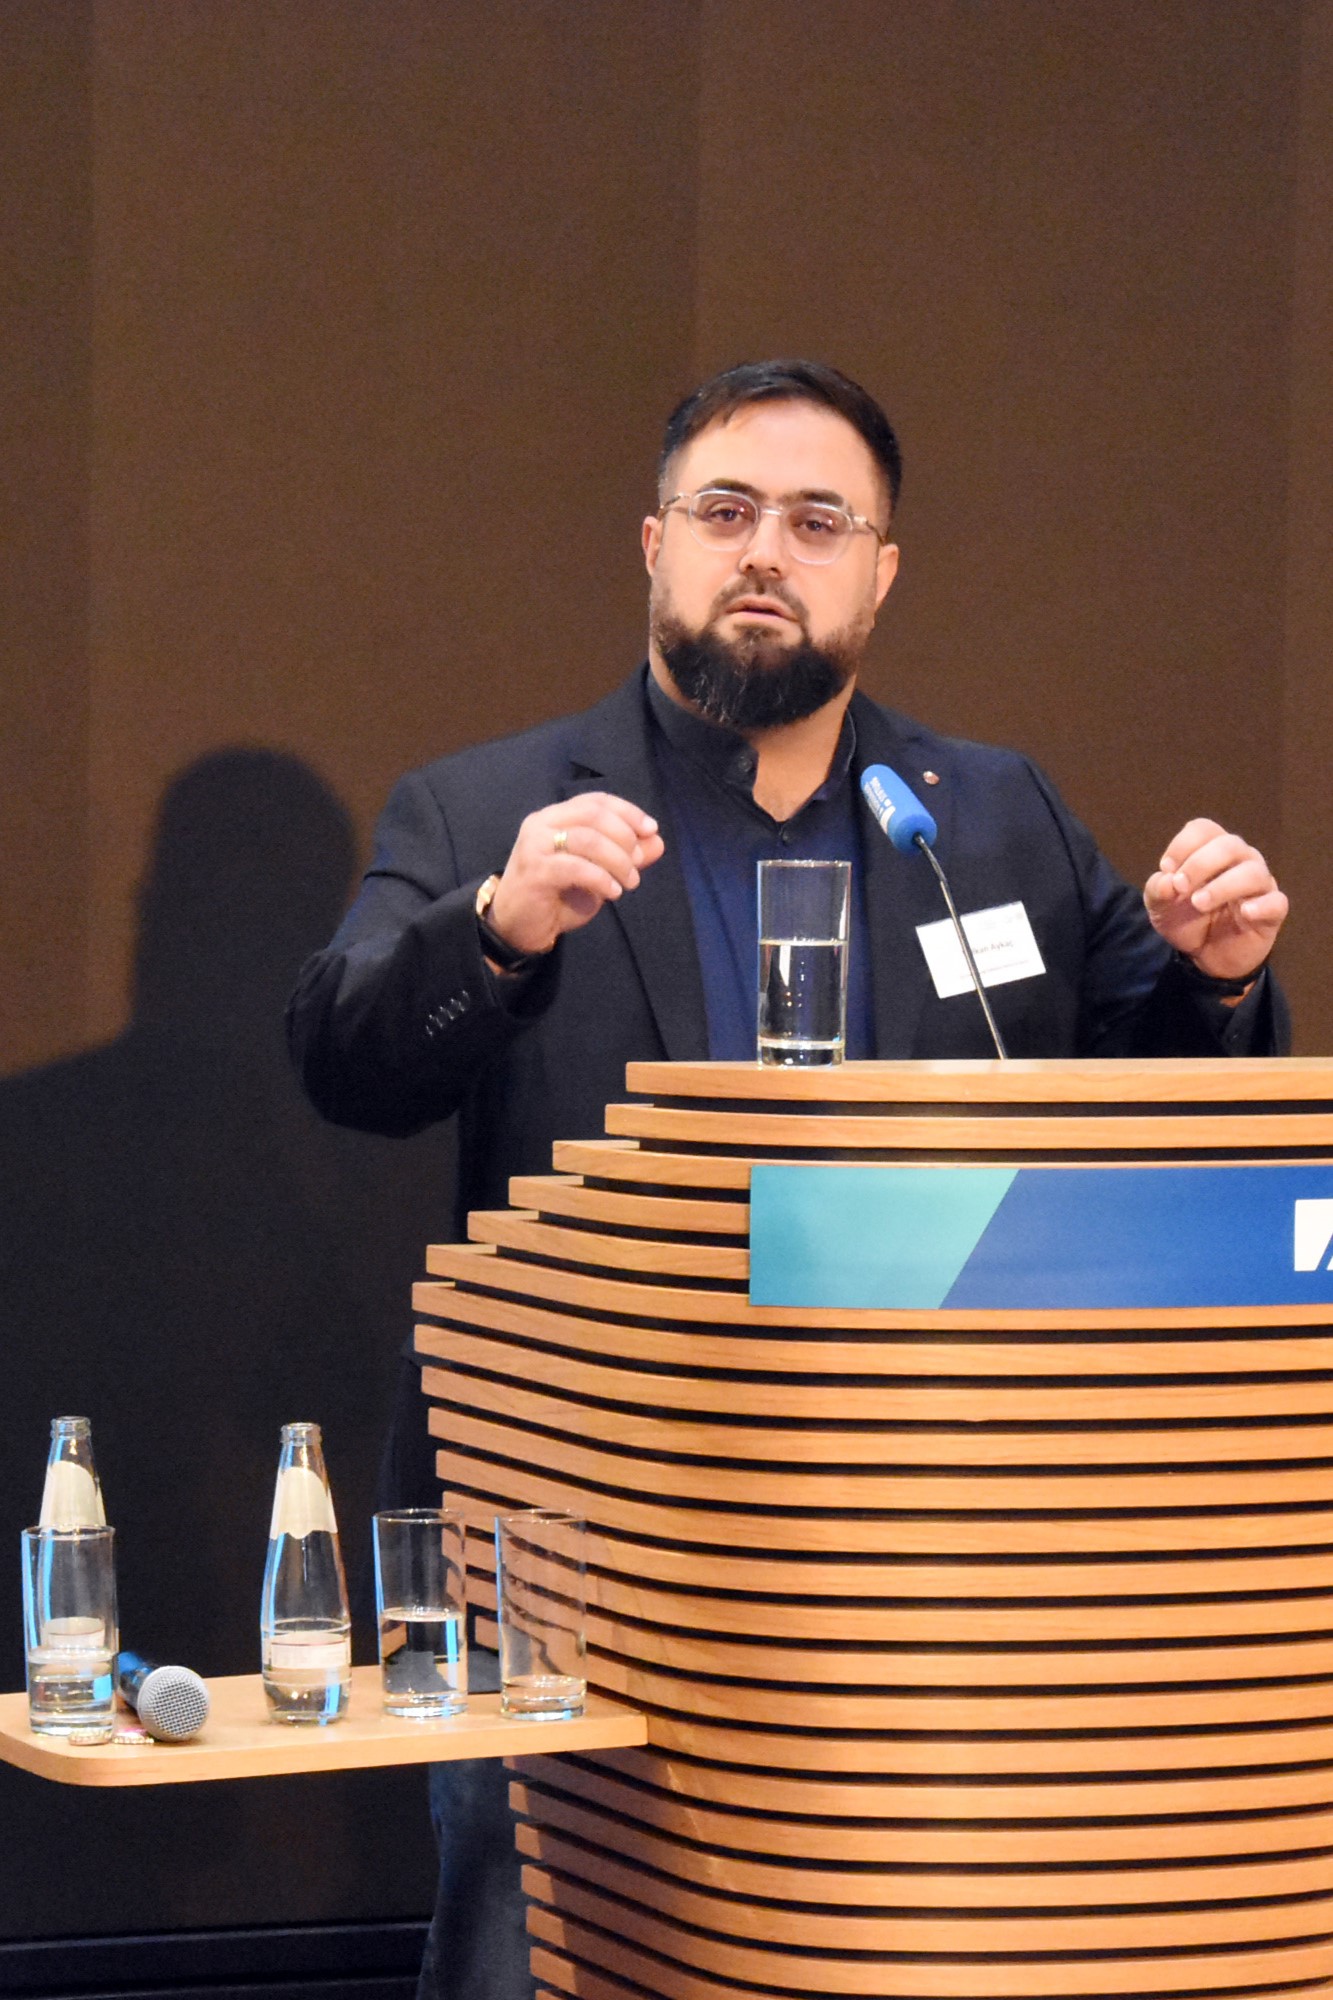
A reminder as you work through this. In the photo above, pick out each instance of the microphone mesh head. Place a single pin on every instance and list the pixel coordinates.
(173, 1704)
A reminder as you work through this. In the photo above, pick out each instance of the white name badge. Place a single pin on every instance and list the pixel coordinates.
(1002, 944)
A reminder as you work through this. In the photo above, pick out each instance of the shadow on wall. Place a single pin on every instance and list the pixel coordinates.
(190, 1258)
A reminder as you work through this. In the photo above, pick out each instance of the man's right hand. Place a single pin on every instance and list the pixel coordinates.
(568, 860)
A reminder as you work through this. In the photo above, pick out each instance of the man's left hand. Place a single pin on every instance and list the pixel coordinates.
(1214, 899)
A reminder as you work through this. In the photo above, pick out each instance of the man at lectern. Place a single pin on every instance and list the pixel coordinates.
(543, 910)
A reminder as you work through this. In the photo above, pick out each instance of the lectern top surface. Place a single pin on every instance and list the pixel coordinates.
(1235, 1080)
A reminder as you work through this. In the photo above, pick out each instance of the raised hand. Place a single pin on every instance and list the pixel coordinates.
(1214, 898)
(568, 860)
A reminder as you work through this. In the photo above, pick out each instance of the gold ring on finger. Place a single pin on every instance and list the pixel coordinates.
(560, 840)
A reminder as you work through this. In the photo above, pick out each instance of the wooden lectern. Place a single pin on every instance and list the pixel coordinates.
(984, 1653)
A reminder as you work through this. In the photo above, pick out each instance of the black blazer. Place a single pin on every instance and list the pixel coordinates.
(399, 1023)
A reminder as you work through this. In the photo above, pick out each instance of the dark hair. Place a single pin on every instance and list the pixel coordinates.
(791, 382)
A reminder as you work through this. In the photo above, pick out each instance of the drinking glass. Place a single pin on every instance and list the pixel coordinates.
(421, 1604)
(803, 911)
(70, 1630)
(540, 1576)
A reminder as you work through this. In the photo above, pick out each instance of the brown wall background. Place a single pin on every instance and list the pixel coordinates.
(337, 339)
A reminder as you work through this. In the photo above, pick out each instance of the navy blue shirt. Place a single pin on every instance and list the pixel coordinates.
(722, 835)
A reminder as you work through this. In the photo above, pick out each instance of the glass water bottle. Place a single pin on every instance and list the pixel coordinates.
(304, 1626)
(71, 1496)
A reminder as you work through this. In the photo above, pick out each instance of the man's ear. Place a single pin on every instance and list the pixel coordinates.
(652, 540)
(885, 570)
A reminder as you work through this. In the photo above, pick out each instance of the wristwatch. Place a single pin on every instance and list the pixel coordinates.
(1210, 983)
(506, 956)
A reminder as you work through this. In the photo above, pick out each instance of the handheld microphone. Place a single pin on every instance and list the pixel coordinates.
(904, 819)
(171, 1702)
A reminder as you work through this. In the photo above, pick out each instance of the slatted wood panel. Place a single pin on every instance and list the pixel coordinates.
(983, 1654)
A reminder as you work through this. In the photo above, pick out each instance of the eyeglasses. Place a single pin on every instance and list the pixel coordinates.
(816, 531)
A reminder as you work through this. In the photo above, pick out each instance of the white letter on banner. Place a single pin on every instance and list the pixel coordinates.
(1314, 1233)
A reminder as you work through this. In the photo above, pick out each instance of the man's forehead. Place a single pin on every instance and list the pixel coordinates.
(782, 448)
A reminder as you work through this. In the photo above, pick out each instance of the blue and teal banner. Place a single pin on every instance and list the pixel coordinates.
(992, 1238)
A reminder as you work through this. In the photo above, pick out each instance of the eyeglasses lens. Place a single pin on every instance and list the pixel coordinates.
(730, 520)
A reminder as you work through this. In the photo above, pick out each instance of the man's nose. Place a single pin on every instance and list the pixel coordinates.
(767, 549)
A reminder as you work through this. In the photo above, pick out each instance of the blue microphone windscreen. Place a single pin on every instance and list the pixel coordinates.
(897, 808)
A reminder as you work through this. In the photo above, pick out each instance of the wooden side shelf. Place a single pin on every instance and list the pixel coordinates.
(239, 1741)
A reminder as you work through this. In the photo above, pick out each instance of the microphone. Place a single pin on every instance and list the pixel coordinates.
(902, 816)
(171, 1702)
(899, 811)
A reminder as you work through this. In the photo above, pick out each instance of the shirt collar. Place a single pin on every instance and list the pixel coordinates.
(727, 757)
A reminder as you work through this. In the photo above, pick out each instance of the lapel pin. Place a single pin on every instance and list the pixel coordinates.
(931, 777)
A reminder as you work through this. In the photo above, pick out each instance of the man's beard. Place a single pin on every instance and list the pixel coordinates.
(754, 682)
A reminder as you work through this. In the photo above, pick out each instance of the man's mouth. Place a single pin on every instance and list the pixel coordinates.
(759, 607)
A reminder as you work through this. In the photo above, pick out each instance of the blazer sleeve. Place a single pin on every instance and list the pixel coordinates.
(392, 1026)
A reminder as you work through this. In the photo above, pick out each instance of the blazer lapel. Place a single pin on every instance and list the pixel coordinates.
(615, 755)
(900, 889)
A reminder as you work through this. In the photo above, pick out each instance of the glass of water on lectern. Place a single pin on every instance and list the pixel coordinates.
(803, 918)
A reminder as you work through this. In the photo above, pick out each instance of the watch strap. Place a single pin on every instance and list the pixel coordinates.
(1207, 982)
(497, 949)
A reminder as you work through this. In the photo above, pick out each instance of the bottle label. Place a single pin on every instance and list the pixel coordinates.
(334, 1654)
(302, 1504)
(75, 1635)
(71, 1497)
